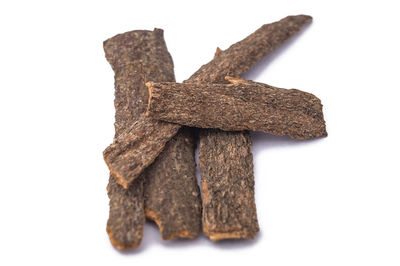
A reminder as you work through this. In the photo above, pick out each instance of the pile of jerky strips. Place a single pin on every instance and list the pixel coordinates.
(151, 160)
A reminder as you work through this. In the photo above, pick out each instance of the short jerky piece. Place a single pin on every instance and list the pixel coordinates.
(229, 210)
(242, 105)
(234, 61)
(134, 56)
(172, 196)
(126, 218)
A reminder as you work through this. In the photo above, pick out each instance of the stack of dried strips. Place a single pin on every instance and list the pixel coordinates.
(151, 160)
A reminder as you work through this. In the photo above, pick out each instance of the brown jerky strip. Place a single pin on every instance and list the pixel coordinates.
(241, 56)
(134, 150)
(234, 61)
(126, 217)
(244, 105)
(134, 56)
(172, 196)
(229, 210)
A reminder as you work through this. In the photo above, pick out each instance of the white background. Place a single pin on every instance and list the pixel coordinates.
(332, 201)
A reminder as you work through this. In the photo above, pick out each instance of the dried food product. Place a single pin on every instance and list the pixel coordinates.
(134, 56)
(137, 147)
(241, 56)
(172, 196)
(241, 105)
(234, 61)
(127, 216)
(229, 210)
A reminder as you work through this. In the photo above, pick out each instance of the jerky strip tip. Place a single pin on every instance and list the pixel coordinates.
(119, 245)
(137, 148)
(229, 235)
(119, 178)
(229, 210)
(152, 215)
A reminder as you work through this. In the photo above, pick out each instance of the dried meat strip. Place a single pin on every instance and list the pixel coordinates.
(134, 56)
(242, 105)
(172, 196)
(229, 209)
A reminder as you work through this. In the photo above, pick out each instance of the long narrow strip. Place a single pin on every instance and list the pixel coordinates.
(172, 196)
(134, 56)
(234, 61)
(229, 209)
(241, 56)
(243, 105)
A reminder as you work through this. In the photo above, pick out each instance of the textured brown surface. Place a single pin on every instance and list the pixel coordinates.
(137, 147)
(172, 196)
(244, 105)
(126, 217)
(241, 56)
(235, 61)
(134, 56)
(230, 62)
(229, 209)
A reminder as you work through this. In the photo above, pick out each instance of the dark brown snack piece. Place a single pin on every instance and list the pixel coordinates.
(172, 196)
(241, 56)
(229, 210)
(134, 56)
(242, 105)
(127, 216)
(234, 61)
(137, 147)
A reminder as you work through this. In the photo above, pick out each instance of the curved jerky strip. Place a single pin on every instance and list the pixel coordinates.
(234, 61)
(134, 56)
(245, 105)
